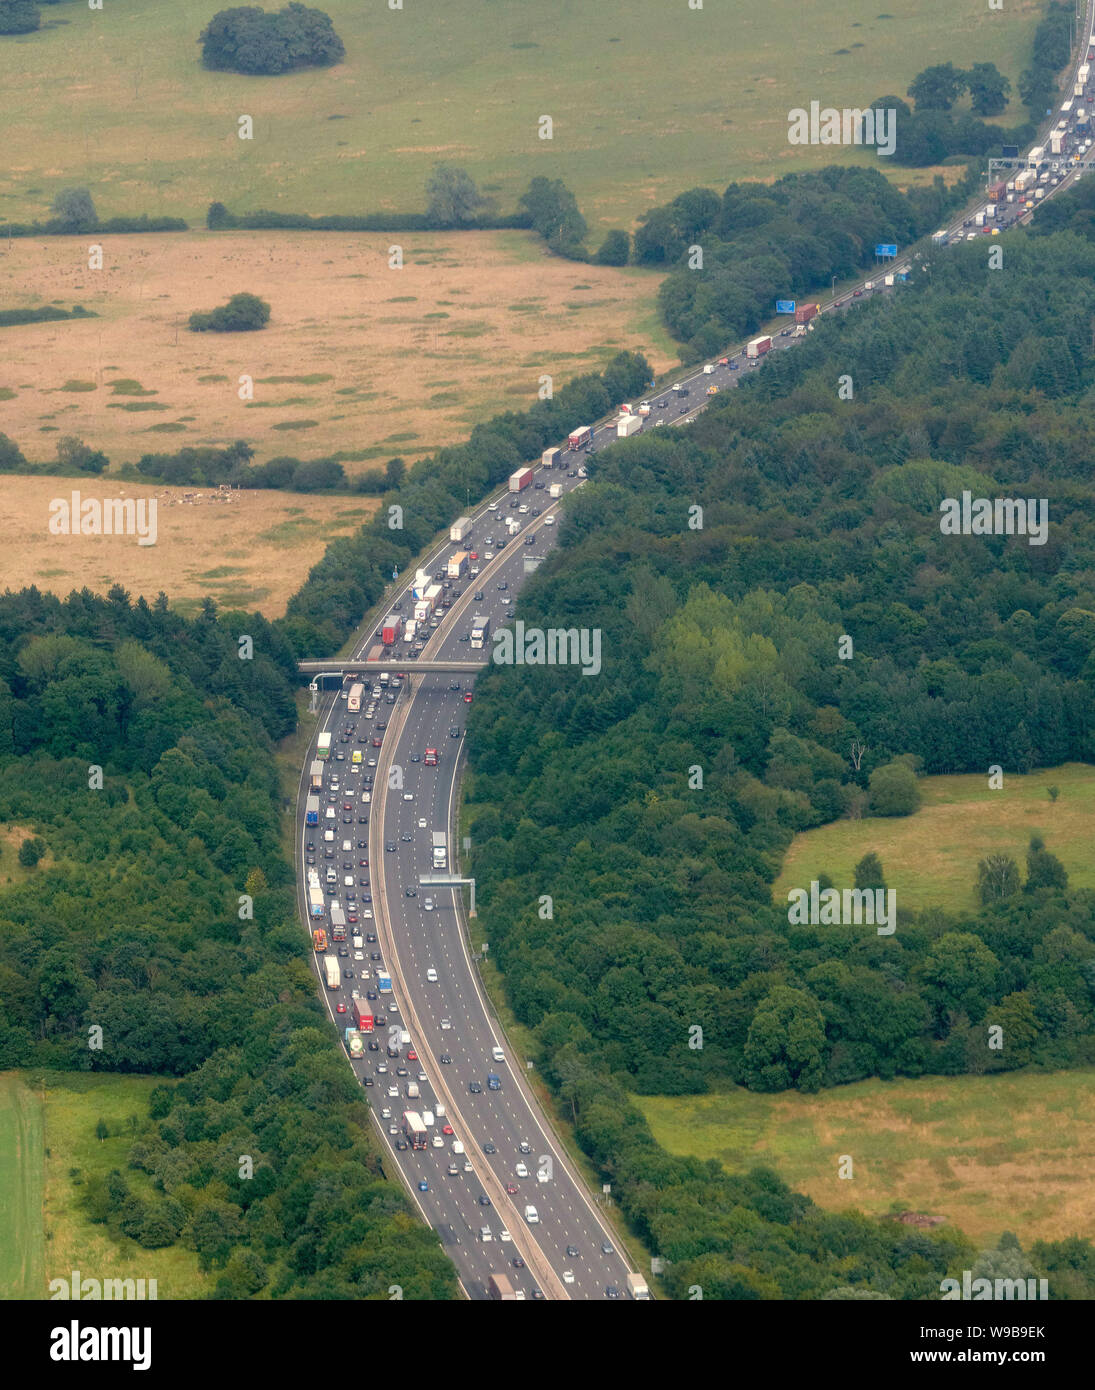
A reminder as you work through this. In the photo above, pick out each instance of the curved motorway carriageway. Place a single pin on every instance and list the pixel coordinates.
(570, 1252)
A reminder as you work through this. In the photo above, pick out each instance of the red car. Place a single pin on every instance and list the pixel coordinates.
(511, 1188)
(467, 698)
(412, 1055)
(340, 1008)
(446, 1129)
(473, 555)
(376, 743)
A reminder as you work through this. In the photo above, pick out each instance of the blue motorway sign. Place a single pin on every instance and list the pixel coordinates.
(885, 250)
(785, 306)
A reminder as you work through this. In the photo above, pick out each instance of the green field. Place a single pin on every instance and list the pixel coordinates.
(647, 99)
(989, 1154)
(48, 1149)
(22, 1248)
(931, 857)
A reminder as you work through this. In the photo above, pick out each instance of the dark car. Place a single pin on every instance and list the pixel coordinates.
(530, 540)
(488, 1148)
(375, 955)
(503, 585)
(518, 1262)
(475, 1088)
(445, 1059)
(479, 596)
(484, 1200)
(410, 892)
(370, 937)
(390, 847)
(572, 1251)
(367, 1081)
(370, 994)
(611, 1291)
(454, 733)
(347, 974)
(343, 951)
(454, 685)
(416, 757)
(374, 1046)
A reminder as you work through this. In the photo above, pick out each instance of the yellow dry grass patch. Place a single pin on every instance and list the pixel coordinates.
(987, 1153)
(930, 858)
(253, 552)
(372, 360)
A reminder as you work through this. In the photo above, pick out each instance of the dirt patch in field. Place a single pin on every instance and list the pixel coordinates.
(349, 363)
(251, 552)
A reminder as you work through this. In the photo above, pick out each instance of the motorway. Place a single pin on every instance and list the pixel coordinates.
(451, 1017)
(460, 1194)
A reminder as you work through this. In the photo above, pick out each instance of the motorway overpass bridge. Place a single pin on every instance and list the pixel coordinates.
(336, 670)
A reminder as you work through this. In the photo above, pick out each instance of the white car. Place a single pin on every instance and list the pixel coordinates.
(522, 510)
(550, 520)
(408, 796)
(568, 1276)
(503, 1234)
(521, 1170)
(367, 912)
(422, 824)
(489, 555)
(438, 1141)
(431, 975)
(446, 1024)
(393, 1091)
(428, 905)
(386, 1113)
(359, 955)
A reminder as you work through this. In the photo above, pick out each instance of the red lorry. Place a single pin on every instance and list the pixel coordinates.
(520, 480)
(805, 312)
(391, 628)
(362, 1018)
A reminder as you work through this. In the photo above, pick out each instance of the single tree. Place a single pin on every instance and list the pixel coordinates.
(937, 88)
(31, 851)
(997, 878)
(988, 89)
(19, 16)
(868, 872)
(454, 199)
(894, 790)
(614, 250)
(75, 210)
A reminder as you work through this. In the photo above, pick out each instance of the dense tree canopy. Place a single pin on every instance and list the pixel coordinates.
(250, 40)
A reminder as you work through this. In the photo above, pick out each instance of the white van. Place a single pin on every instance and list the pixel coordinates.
(531, 1216)
(328, 836)
(708, 368)
(457, 1146)
(484, 1234)
(427, 1115)
(330, 814)
(498, 1054)
(347, 847)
